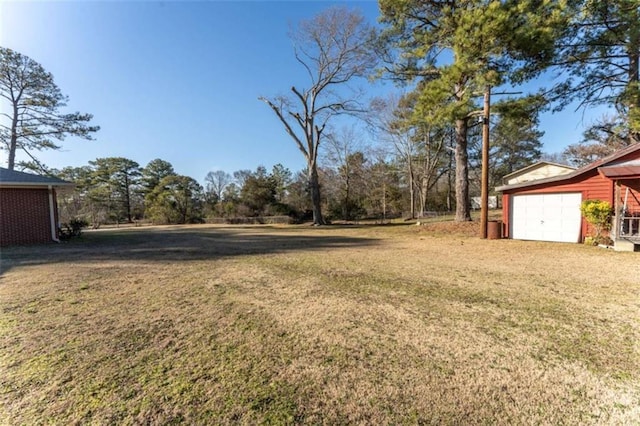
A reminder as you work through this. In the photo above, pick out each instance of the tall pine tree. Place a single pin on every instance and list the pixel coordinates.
(457, 49)
(598, 60)
(34, 120)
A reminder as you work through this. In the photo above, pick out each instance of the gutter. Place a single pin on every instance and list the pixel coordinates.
(52, 216)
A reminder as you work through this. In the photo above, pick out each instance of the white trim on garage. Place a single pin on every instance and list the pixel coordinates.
(546, 217)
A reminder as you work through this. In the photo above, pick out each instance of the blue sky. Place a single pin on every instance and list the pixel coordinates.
(181, 80)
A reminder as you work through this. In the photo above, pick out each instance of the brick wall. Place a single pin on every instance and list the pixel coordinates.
(24, 216)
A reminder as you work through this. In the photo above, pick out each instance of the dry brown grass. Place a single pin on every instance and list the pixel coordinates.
(395, 324)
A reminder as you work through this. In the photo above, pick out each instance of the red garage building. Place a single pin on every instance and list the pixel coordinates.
(549, 209)
(28, 208)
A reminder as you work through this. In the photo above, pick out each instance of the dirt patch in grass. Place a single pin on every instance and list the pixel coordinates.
(449, 228)
(359, 324)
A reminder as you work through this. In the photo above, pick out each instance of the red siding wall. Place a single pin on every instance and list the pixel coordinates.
(591, 185)
(633, 199)
(24, 216)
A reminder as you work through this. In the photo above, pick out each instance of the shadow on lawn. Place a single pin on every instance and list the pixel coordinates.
(172, 244)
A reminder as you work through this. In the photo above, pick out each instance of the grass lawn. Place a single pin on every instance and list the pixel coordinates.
(331, 325)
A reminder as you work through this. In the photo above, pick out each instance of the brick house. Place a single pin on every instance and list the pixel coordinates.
(28, 208)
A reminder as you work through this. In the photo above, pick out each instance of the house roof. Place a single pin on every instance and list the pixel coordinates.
(601, 163)
(15, 178)
(625, 169)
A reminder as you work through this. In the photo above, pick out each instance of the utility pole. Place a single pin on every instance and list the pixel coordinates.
(484, 195)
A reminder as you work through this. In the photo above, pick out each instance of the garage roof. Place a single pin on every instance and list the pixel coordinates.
(601, 165)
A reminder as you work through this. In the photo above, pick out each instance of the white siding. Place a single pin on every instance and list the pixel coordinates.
(543, 171)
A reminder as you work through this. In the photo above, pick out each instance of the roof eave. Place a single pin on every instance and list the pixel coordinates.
(36, 185)
(536, 182)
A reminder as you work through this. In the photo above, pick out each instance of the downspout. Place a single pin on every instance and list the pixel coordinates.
(52, 216)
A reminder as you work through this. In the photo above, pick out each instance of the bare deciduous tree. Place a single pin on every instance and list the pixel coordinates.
(216, 182)
(334, 49)
(344, 149)
(418, 145)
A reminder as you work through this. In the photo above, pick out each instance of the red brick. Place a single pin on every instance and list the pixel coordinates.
(24, 216)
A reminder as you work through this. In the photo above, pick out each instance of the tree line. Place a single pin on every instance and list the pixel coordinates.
(118, 190)
(401, 174)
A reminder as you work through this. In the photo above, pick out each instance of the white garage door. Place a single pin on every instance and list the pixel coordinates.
(546, 217)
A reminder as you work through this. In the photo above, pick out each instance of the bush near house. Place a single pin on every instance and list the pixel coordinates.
(598, 214)
(72, 229)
